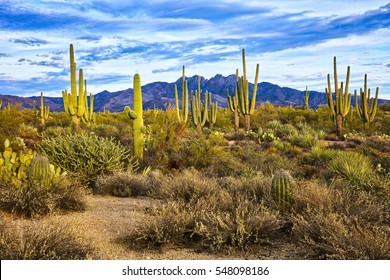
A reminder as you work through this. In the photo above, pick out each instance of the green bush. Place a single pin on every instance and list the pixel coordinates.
(87, 155)
(354, 167)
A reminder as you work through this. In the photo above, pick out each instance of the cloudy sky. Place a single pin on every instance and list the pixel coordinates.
(294, 42)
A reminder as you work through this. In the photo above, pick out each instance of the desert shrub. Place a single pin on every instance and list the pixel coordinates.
(164, 141)
(30, 200)
(10, 121)
(55, 131)
(262, 161)
(41, 242)
(334, 236)
(122, 184)
(354, 167)
(339, 223)
(216, 222)
(256, 188)
(106, 131)
(238, 224)
(286, 130)
(320, 156)
(188, 186)
(87, 155)
(170, 223)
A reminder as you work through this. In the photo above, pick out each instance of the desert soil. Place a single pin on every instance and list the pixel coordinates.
(108, 219)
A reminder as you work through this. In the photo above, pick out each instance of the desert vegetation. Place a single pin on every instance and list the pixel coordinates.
(248, 181)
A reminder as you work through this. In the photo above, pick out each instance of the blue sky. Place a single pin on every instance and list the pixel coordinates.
(293, 41)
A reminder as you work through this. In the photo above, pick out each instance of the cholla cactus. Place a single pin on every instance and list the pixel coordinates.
(281, 189)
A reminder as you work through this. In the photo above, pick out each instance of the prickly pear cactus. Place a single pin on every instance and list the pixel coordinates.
(13, 166)
(281, 189)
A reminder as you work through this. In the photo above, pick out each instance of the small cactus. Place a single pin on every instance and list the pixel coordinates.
(306, 98)
(281, 189)
(40, 172)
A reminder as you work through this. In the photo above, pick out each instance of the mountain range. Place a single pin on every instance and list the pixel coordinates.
(161, 95)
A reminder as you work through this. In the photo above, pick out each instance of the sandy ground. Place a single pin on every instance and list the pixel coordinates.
(107, 219)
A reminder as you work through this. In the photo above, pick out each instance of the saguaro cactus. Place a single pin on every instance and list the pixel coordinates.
(306, 98)
(212, 115)
(340, 107)
(182, 114)
(281, 189)
(233, 104)
(75, 102)
(44, 111)
(246, 106)
(137, 117)
(368, 106)
(199, 113)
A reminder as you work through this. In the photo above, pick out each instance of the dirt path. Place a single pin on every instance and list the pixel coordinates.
(109, 218)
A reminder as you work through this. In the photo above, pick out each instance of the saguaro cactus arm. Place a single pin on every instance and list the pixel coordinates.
(368, 106)
(246, 106)
(182, 114)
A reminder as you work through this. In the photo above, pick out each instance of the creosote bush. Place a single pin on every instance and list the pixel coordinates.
(41, 242)
(32, 201)
(338, 223)
(213, 214)
(122, 184)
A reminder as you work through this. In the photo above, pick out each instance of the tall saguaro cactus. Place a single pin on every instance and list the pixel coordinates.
(182, 114)
(340, 107)
(368, 106)
(199, 113)
(137, 117)
(43, 110)
(246, 106)
(75, 102)
(233, 104)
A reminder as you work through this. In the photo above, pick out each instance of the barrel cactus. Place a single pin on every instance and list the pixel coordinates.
(281, 189)
(40, 172)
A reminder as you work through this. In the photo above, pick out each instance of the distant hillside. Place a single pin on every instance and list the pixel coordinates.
(161, 94)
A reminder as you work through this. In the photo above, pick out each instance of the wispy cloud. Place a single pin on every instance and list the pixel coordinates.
(29, 41)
